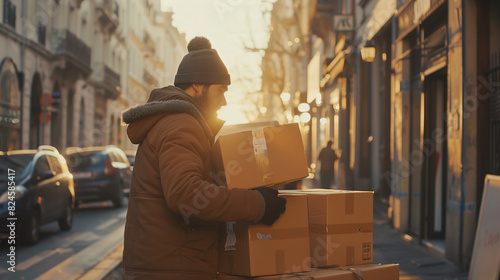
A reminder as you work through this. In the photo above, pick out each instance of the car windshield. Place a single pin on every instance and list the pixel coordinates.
(131, 159)
(82, 160)
(20, 163)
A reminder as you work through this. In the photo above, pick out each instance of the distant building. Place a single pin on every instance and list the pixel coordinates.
(69, 68)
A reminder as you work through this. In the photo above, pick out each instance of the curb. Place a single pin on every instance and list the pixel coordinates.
(86, 260)
(107, 264)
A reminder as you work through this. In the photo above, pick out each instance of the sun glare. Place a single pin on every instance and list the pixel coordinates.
(232, 114)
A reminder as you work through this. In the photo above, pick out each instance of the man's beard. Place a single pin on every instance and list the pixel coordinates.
(204, 101)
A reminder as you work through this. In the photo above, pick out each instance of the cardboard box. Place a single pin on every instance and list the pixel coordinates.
(248, 249)
(269, 277)
(365, 272)
(266, 157)
(340, 226)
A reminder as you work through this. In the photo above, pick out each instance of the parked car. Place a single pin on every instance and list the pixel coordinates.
(100, 173)
(36, 187)
(131, 156)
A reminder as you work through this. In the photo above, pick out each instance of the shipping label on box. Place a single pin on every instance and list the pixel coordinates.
(340, 226)
(267, 157)
(248, 249)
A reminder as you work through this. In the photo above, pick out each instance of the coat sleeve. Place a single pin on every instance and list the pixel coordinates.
(183, 150)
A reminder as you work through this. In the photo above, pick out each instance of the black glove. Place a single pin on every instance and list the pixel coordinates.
(275, 205)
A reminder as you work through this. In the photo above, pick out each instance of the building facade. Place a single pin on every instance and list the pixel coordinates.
(69, 68)
(418, 122)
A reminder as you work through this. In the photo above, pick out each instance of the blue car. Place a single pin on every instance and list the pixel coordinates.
(100, 173)
(36, 188)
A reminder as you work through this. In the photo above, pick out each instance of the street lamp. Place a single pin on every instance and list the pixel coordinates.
(368, 52)
(303, 107)
(305, 117)
(285, 96)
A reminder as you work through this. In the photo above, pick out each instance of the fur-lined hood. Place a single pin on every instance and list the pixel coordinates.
(162, 102)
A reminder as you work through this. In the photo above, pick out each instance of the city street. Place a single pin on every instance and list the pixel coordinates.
(399, 98)
(97, 229)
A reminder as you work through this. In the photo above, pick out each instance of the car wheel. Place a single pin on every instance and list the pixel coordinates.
(66, 221)
(118, 197)
(31, 233)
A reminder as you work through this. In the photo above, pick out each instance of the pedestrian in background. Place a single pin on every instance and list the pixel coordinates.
(175, 205)
(326, 158)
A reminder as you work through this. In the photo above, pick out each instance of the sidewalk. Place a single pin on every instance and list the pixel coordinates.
(416, 262)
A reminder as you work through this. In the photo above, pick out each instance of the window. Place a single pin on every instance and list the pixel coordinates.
(123, 158)
(41, 166)
(114, 156)
(9, 13)
(56, 165)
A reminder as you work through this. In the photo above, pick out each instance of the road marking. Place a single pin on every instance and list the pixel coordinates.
(42, 256)
(123, 215)
(76, 265)
(107, 264)
(88, 237)
(109, 223)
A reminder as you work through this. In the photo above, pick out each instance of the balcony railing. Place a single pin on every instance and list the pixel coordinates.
(63, 42)
(107, 81)
(108, 14)
(111, 77)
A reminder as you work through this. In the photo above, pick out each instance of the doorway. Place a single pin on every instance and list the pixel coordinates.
(435, 152)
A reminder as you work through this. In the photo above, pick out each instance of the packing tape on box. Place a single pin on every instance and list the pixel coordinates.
(349, 254)
(341, 228)
(261, 156)
(268, 234)
(280, 234)
(349, 203)
(279, 256)
(358, 275)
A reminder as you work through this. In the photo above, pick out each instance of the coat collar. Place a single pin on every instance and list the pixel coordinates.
(166, 101)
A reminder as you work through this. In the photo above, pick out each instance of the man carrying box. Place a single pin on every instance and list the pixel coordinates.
(175, 205)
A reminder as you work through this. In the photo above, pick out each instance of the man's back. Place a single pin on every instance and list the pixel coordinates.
(327, 157)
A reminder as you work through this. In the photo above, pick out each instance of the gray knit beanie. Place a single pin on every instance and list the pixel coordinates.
(202, 65)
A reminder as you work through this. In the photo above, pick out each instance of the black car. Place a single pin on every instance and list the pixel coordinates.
(36, 188)
(131, 156)
(100, 173)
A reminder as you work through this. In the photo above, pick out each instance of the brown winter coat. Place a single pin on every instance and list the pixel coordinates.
(174, 209)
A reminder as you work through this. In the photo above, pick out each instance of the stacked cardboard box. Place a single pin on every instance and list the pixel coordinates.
(356, 272)
(257, 249)
(340, 226)
(322, 228)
